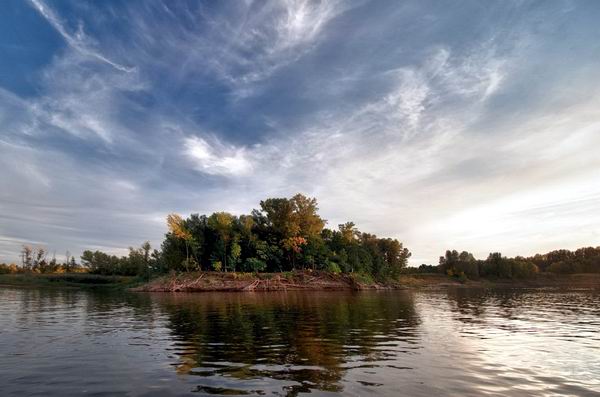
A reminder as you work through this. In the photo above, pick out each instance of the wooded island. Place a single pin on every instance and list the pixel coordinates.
(286, 235)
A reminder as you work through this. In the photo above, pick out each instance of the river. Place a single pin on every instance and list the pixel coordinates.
(456, 342)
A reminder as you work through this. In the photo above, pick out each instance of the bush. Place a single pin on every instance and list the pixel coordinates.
(217, 266)
(363, 278)
(521, 269)
(8, 269)
(561, 268)
(333, 267)
(254, 265)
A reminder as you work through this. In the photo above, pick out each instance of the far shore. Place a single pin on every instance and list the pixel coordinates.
(68, 280)
(289, 281)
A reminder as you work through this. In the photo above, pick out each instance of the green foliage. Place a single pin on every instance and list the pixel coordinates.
(190, 264)
(333, 267)
(254, 265)
(422, 269)
(523, 269)
(283, 235)
(139, 262)
(454, 263)
(235, 255)
(363, 278)
(82, 280)
(495, 266)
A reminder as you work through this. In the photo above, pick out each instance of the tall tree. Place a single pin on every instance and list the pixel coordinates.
(222, 223)
(178, 229)
(305, 209)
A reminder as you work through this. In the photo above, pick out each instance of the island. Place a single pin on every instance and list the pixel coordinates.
(284, 245)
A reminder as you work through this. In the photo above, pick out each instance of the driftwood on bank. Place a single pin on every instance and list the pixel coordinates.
(217, 281)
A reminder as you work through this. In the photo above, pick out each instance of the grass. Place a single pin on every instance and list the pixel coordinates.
(80, 280)
(363, 278)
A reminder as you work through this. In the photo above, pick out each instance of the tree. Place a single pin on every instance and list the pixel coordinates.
(294, 246)
(235, 255)
(279, 214)
(456, 264)
(222, 224)
(27, 258)
(40, 264)
(349, 232)
(305, 209)
(146, 248)
(73, 265)
(178, 229)
(284, 234)
(497, 265)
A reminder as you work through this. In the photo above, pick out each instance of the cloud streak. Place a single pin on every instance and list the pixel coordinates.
(78, 40)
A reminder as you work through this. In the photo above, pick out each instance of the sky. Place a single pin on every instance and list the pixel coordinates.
(469, 125)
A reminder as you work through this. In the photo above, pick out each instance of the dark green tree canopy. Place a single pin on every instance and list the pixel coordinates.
(283, 234)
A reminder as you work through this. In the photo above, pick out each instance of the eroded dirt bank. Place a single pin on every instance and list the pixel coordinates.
(298, 280)
(318, 280)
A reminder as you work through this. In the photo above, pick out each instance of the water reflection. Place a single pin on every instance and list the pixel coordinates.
(300, 341)
(464, 342)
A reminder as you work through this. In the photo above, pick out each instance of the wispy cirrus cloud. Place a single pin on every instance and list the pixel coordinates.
(78, 40)
(278, 34)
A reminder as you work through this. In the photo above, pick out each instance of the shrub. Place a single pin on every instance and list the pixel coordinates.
(521, 269)
(333, 267)
(254, 265)
(363, 278)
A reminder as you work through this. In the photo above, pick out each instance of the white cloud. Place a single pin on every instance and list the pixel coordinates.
(301, 21)
(217, 159)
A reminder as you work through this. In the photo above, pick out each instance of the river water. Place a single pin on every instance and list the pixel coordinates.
(456, 342)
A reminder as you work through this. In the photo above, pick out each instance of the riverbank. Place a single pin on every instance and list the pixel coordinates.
(68, 280)
(286, 281)
(309, 280)
(541, 280)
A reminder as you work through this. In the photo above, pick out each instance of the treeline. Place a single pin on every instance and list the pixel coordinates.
(141, 261)
(284, 234)
(464, 264)
(35, 260)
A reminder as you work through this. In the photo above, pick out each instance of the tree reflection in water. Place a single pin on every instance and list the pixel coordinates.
(306, 341)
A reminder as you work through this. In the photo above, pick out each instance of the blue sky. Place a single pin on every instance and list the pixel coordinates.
(471, 125)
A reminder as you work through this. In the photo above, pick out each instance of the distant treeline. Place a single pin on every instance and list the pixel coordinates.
(35, 260)
(464, 264)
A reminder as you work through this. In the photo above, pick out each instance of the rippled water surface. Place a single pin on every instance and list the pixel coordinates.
(456, 342)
